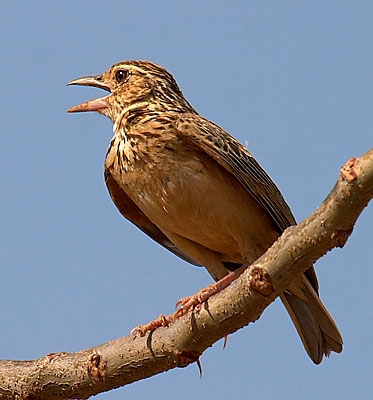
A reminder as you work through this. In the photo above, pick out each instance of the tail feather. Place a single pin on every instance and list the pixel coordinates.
(316, 328)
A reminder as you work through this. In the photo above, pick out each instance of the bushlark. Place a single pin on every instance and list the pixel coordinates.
(195, 190)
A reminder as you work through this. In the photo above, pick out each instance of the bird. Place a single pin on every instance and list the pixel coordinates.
(195, 189)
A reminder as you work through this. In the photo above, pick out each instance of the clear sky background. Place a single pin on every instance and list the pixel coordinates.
(293, 79)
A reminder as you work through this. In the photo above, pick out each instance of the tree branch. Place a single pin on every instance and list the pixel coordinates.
(122, 361)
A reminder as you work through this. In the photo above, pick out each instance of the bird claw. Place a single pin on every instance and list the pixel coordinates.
(141, 330)
(185, 304)
(195, 302)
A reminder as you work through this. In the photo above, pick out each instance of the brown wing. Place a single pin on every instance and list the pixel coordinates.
(230, 154)
(130, 211)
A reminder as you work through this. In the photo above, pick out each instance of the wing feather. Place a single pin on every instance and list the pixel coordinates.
(231, 155)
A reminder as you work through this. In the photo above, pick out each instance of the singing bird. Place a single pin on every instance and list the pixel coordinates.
(196, 190)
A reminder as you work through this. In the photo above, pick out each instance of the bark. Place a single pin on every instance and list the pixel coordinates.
(123, 361)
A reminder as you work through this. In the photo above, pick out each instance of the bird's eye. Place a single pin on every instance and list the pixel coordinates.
(121, 75)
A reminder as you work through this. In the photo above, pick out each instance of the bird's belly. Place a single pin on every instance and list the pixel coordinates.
(202, 202)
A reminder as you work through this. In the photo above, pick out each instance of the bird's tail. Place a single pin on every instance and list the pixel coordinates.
(316, 328)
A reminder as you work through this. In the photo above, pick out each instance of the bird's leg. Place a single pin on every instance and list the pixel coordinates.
(141, 330)
(195, 301)
(189, 303)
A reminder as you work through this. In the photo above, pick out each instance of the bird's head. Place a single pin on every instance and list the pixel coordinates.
(132, 84)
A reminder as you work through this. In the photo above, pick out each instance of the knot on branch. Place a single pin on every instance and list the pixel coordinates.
(340, 237)
(348, 172)
(96, 367)
(184, 358)
(260, 281)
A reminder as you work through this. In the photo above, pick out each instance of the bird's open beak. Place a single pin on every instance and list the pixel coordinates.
(92, 105)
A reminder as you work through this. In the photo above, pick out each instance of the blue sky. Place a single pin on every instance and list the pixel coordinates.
(293, 79)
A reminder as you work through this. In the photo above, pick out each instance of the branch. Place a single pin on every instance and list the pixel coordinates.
(123, 361)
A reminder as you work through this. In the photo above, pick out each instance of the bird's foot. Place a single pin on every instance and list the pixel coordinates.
(189, 303)
(141, 330)
(195, 302)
